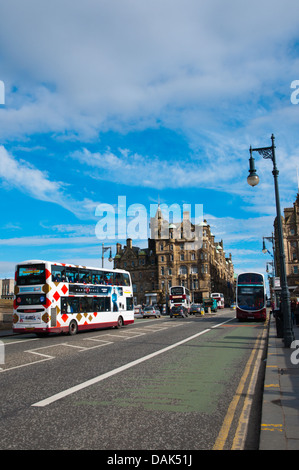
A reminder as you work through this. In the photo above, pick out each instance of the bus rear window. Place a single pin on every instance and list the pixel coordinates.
(31, 274)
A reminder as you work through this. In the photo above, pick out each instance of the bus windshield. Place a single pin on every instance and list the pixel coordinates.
(30, 299)
(177, 290)
(31, 274)
(250, 278)
(251, 297)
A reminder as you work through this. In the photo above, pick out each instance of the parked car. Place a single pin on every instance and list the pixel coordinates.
(151, 311)
(195, 308)
(138, 311)
(178, 312)
(209, 302)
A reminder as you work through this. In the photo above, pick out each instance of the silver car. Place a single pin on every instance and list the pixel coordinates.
(151, 311)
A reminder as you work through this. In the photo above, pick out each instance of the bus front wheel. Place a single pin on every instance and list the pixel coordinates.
(120, 322)
(73, 327)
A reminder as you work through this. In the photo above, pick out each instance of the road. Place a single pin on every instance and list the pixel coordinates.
(170, 384)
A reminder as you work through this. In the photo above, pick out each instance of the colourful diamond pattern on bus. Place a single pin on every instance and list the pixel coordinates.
(64, 317)
(64, 289)
(71, 299)
(56, 296)
(48, 273)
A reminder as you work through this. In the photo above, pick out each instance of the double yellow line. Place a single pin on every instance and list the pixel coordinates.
(240, 435)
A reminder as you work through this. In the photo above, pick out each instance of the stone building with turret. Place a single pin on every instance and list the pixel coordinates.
(177, 254)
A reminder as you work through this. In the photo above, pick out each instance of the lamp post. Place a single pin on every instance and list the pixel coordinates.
(274, 269)
(253, 180)
(106, 248)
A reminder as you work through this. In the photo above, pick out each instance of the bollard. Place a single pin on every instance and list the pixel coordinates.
(279, 323)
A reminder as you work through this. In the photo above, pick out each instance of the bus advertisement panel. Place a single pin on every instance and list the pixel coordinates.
(56, 297)
(251, 297)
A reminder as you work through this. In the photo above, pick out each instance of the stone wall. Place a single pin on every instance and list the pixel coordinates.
(6, 312)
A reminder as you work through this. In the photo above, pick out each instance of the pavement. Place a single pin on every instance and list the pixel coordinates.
(280, 407)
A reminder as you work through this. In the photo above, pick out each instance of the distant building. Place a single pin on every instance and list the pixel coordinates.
(290, 226)
(176, 260)
(7, 288)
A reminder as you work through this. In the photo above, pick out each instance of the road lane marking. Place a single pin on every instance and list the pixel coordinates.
(113, 372)
(241, 433)
(88, 383)
(117, 336)
(222, 436)
(227, 423)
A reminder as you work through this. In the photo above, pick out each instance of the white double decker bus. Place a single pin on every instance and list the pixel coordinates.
(65, 298)
(220, 299)
(179, 296)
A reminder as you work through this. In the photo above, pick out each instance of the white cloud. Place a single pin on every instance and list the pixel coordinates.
(139, 170)
(121, 64)
(20, 174)
(234, 230)
(23, 176)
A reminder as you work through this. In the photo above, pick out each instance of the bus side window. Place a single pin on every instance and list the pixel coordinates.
(84, 276)
(118, 279)
(130, 305)
(70, 274)
(63, 305)
(126, 279)
(57, 273)
(107, 302)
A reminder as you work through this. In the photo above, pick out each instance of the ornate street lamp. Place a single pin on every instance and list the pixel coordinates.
(253, 180)
(106, 248)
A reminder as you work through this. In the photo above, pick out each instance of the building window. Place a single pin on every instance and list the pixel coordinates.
(182, 257)
(161, 247)
(295, 269)
(162, 259)
(162, 270)
(183, 270)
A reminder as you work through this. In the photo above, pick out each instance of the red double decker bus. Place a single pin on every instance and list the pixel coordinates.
(251, 297)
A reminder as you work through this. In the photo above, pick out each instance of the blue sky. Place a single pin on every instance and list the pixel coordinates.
(147, 99)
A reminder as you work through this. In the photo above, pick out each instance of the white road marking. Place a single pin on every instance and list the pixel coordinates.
(88, 383)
